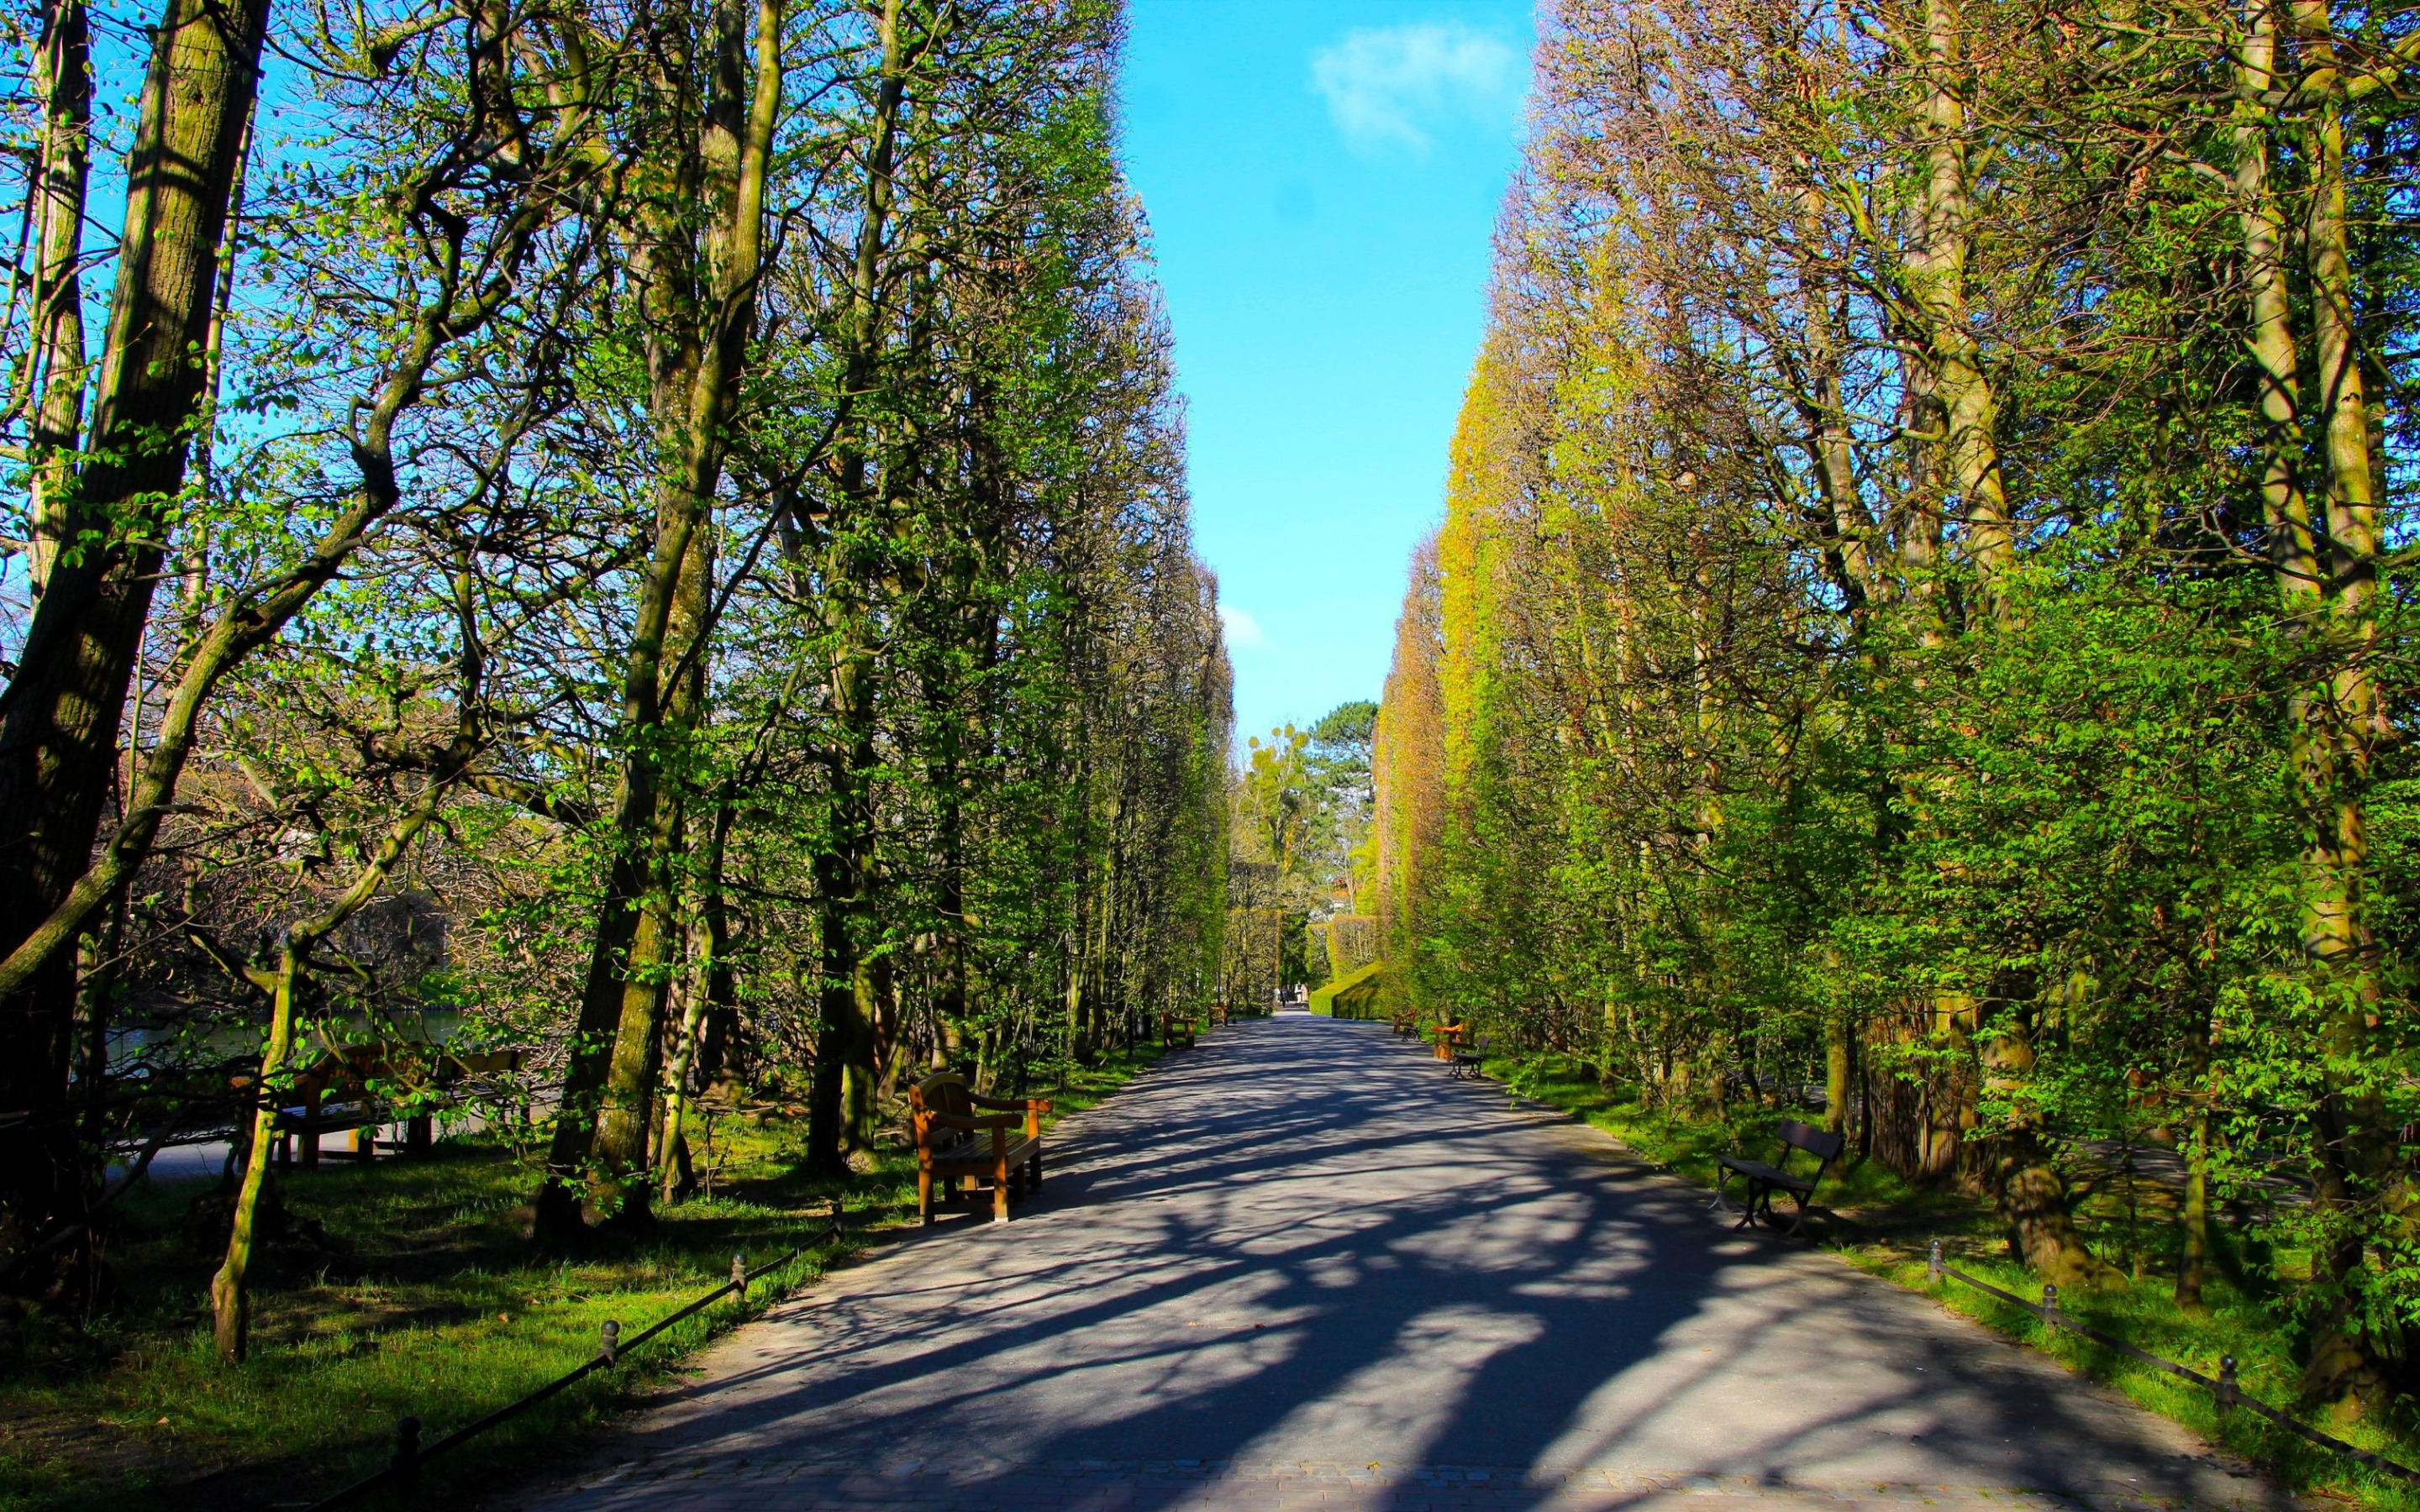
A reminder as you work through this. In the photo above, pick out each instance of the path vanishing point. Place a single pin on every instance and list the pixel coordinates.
(1299, 1267)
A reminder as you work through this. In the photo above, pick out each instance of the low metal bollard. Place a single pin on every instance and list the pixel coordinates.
(609, 1340)
(405, 1466)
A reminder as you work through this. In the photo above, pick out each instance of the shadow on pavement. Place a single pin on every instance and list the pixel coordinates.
(1301, 1244)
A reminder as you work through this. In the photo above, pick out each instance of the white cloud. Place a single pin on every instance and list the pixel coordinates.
(1385, 86)
(1244, 633)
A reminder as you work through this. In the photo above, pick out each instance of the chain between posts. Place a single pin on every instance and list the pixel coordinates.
(403, 1468)
(2223, 1387)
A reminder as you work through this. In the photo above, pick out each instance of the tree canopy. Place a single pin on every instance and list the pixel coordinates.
(649, 536)
(1921, 624)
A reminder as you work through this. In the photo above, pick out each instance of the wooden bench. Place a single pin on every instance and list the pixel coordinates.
(1449, 1039)
(337, 1097)
(1408, 1023)
(1175, 1027)
(1763, 1181)
(1217, 1015)
(1464, 1064)
(335, 1093)
(951, 1149)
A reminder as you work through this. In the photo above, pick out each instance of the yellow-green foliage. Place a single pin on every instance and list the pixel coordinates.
(1360, 989)
(1890, 674)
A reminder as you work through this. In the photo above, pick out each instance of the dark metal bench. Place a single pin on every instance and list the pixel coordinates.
(1465, 1060)
(1763, 1181)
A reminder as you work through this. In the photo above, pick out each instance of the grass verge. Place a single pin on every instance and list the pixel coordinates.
(1886, 1227)
(407, 1288)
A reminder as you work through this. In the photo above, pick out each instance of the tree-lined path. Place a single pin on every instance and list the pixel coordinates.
(1298, 1267)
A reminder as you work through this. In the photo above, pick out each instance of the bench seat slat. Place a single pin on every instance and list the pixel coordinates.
(335, 1117)
(975, 1154)
(1774, 1174)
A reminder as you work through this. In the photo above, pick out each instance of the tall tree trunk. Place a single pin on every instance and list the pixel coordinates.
(2293, 548)
(2362, 1184)
(844, 1042)
(2033, 1196)
(59, 718)
(2192, 1215)
(193, 559)
(1835, 1072)
(708, 981)
(63, 79)
(699, 346)
(1937, 275)
(230, 1304)
(230, 1310)
(617, 1167)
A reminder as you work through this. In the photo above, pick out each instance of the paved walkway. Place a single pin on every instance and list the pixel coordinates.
(1298, 1267)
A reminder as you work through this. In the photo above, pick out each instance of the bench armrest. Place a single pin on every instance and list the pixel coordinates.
(1014, 1105)
(950, 1120)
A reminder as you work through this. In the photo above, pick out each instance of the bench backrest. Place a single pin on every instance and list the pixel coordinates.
(344, 1075)
(490, 1062)
(348, 1071)
(943, 1092)
(1825, 1147)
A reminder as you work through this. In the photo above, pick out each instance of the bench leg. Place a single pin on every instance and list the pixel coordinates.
(999, 1190)
(924, 1195)
(1796, 1219)
(1720, 1182)
(1756, 1193)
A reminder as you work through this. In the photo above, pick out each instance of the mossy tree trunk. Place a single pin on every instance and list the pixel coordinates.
(59, 720)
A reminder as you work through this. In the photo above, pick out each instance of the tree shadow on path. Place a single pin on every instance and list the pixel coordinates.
(1300, 1245)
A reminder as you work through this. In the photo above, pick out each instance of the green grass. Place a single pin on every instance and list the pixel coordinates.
(420, 1296)
(1883, 1226)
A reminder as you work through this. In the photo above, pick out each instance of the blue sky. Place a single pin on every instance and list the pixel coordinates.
(1322, 177)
